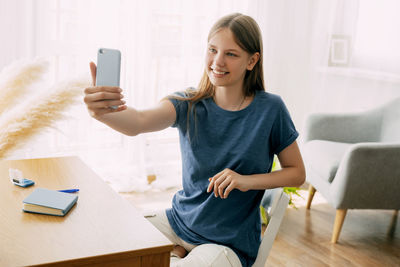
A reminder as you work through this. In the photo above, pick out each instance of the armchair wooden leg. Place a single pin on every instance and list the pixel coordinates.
(337, 227)
(393, 223)
(311, 192)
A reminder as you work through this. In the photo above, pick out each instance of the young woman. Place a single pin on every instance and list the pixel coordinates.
(230, 129)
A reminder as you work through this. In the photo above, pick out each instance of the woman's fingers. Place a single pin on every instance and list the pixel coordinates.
(96, 89)
(100, 99)
(93, 70)
(222, 187)
(93, 103)
(224, 182)
(212, 180)
(105, 104)
(230, 187)
(218, 185)
(99, 96)
(210, 185)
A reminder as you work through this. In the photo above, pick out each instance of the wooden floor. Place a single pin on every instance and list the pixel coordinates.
(304, 238)
(304, 235)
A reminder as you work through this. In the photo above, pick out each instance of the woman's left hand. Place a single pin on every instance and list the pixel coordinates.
(225, 181)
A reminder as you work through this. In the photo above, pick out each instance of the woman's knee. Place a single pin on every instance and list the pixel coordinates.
(210, 255)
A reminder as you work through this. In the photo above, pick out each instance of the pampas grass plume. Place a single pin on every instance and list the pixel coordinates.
(25, 121)
(16, 79)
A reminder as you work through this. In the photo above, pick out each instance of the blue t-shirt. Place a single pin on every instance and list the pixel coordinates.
(244, 141)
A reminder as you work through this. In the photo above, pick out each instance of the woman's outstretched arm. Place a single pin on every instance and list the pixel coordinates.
(100, 100)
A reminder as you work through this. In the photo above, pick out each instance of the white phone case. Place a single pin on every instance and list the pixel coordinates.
(108, 67)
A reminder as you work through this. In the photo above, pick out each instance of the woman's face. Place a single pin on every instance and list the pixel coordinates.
(226, 61)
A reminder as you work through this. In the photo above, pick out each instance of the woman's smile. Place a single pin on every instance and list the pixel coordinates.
(219, 73)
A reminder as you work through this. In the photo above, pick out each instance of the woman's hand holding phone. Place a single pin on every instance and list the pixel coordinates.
(101, 100)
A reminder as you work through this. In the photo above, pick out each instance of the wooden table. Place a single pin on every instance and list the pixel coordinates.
(102, 229)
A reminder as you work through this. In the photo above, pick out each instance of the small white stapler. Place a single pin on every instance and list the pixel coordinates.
(18, 179)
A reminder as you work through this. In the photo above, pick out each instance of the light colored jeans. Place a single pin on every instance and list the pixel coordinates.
(206, 255)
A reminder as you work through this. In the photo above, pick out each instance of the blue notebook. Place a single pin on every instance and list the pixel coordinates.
(45, 201)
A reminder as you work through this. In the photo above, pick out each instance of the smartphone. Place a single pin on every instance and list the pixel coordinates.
(108, 68)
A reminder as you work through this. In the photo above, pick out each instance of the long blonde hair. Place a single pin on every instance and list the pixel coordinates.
(247, 35)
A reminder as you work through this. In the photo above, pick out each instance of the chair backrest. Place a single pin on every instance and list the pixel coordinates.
(278, 207)
(390, 130)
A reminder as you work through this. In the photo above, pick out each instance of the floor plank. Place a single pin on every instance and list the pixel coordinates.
(304, 236)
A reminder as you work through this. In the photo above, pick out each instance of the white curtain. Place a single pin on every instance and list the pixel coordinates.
(339, 55)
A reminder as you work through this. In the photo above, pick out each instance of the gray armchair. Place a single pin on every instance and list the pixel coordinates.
(353, 160)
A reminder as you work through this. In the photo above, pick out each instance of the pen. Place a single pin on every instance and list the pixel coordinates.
(69, 190)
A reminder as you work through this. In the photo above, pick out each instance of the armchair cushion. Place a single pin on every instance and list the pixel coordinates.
(368, 178)
(324, 157)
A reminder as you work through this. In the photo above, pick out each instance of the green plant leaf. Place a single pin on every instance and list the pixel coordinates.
(264, 217)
